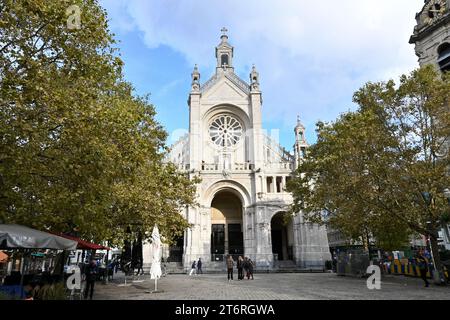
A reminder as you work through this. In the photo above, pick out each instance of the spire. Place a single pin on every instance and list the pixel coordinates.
(224, 52)
(299, 124)
(254, 79)
(300, 145)
(224, 35)
(195, 85)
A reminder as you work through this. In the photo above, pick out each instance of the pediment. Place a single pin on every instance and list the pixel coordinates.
(224, 88)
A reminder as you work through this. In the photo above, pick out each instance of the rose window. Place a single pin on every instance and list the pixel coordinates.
(225, 131)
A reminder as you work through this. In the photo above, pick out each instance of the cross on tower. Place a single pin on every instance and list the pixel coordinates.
(224, 31)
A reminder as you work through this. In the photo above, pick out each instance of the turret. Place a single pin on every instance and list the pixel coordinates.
(300, 145)
(224, 53)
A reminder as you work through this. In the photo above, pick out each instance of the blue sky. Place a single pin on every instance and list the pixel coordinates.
(312, 56)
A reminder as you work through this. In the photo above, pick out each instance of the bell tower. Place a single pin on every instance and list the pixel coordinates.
(300, 142)
(432, 34)
(224, 53)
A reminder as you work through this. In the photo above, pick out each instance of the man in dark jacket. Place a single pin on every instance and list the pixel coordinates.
(240, 267)
(230, 265)
(199, 266)
(250, 268)
(422, 263)
(91, 276)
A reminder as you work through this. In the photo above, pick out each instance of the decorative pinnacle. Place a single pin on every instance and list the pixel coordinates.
(299, 123)
(224, 31)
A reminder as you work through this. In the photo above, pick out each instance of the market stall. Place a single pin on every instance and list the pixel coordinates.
(26, 245)
(84, 246)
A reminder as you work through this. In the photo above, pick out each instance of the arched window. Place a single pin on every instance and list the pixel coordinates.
(224, 60)
(444, 57)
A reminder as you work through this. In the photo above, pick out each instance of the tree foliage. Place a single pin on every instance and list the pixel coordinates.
(79, 151)
(381, 171)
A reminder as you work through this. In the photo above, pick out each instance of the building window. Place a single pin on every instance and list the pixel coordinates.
(287, 180)
(279, 183)
(225, 131)
(303, 152)
(444, 57)
(224, 60)
(269, 181)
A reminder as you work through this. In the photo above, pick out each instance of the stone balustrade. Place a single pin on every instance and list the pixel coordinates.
(279, 166)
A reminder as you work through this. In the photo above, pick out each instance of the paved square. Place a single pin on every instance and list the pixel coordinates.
(289, 286)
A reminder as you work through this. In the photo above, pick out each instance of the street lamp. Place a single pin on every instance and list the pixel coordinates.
(447, 194)
(438, 279)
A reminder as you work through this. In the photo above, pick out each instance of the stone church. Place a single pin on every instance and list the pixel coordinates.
(244, 172)
(431, 38)
(432, 34)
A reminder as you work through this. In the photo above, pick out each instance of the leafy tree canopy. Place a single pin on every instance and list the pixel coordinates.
(381, 170)
(79, 152)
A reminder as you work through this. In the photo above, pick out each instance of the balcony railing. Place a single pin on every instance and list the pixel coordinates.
(246, 166)
(279, 165)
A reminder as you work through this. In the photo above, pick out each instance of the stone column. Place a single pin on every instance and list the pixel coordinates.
(263, 258)
(205, 230)
(247, 229)
(195, 144)
(257, 135)
(312, 249)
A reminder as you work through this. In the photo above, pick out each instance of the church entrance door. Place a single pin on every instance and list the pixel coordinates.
(226, 226)
(282, 237)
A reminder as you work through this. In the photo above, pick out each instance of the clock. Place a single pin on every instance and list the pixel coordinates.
(434, 10)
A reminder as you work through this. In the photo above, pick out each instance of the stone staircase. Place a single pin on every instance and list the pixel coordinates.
(286, 266)
(219, 267)
(289, 266)
(171, 268)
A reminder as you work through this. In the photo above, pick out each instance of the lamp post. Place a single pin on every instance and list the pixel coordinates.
(446, 224)
(437, 276)
(447, 194)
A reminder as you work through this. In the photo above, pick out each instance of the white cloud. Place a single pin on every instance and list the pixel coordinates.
(311, 55)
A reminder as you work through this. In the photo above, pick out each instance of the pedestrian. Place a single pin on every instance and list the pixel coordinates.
(91, 275)
(230, 265)
(245, 266)
(422, 263)
(199, 266)
(139, 266)
(250, 268)
(240, 267)
(193, 268)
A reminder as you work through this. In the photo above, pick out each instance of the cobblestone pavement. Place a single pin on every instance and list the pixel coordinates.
(291, 286)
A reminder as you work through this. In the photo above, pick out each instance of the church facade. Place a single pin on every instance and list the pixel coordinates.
(432, 34)
(431, 38)
(243, 171)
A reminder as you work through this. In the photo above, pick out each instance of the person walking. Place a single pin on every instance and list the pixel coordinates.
(230, 265)
(250, 268)
(193, 268)
(240, 267)
(422, 263)
(91, 275)
(199, 266)
(245, 266)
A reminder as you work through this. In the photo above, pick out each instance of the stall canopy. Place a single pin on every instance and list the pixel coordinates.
(85, 245)
(13, 236)
(3, 257)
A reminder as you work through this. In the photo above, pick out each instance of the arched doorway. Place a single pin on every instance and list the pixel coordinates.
(176, 250)
(282, 237)
(226, 225)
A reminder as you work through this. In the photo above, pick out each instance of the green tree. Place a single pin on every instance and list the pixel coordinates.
(381, 170)
(79, 151)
